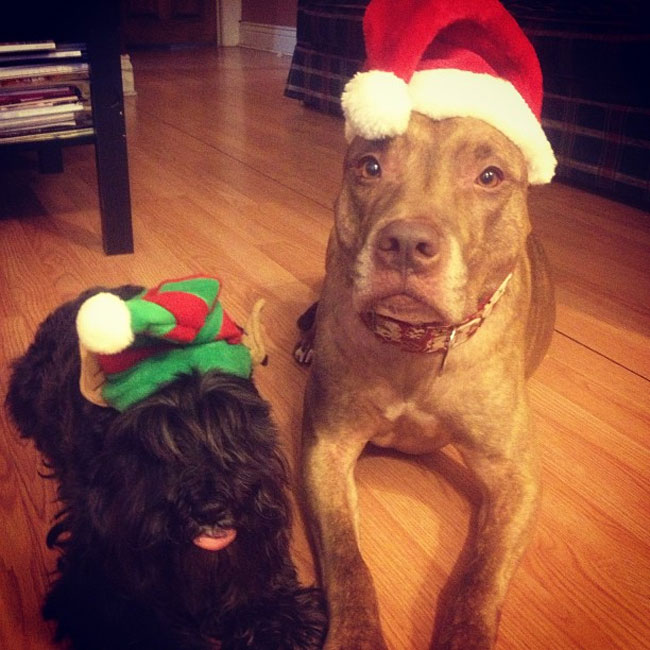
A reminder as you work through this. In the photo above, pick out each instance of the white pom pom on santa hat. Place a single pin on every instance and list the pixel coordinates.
(376, 104)
(104, 324)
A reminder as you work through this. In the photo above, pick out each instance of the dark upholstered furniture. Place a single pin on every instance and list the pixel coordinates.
(594, 56)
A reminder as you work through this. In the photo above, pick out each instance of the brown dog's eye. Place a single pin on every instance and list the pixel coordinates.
(369, 167)
(490, 177)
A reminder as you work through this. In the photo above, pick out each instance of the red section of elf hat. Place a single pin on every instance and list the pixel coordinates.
(230, 331)
(189, 310)
(126, 359)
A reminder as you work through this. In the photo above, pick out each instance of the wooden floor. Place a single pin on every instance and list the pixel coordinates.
(229, 177)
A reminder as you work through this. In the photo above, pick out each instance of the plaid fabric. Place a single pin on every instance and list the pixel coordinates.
(596, 110)
(329, 51)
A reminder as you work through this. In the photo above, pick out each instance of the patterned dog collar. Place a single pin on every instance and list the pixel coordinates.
(431, 337)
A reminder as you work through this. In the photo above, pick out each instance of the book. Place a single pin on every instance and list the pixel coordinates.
(28, 96)
(37, 103)
(24, 46)
(49, 133)
(65, 107)
(22, 71)
(37, 122)
(79, 81)
(40, 56)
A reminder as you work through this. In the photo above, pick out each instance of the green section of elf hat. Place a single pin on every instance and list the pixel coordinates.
(130, 386)
(149, 318)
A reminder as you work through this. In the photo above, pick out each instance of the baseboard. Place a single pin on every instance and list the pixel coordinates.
(271, 38)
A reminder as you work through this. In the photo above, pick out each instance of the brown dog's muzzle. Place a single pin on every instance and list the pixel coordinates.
(407, 245)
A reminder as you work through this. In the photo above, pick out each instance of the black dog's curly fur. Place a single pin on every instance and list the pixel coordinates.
(137, 487)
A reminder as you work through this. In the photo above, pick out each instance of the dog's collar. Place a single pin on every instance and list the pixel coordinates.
(431, 337)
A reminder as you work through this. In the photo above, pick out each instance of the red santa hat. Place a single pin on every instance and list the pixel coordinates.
(441, 58)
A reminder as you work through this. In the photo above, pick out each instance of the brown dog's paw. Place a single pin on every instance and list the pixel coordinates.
(304, 352)
(466, 637)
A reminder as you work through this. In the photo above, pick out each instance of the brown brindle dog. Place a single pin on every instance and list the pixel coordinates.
(431, 228)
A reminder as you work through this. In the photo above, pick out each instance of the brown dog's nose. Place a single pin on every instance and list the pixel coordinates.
(407, 245)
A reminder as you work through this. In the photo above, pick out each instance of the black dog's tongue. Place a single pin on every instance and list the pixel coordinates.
(215, 541)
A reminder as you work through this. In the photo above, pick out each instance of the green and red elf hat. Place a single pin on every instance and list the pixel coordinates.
(145, 342)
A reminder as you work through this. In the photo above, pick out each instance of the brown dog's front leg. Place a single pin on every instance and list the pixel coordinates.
(472, 606)
(330, 494)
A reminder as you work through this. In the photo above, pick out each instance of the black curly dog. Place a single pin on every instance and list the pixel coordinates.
(137, 487)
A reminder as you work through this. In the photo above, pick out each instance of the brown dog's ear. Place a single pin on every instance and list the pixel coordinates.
(91, 377)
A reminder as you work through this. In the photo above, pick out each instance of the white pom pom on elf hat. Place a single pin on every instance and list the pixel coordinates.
(104, 324)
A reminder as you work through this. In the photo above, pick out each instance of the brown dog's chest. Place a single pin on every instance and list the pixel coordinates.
(409, 429)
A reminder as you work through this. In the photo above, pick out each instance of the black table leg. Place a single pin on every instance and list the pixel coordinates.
(110, 130)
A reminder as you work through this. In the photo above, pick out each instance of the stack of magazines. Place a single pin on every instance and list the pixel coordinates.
(44, 91)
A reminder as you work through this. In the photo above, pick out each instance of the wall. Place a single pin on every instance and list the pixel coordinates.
(270, 12)
(268, 25)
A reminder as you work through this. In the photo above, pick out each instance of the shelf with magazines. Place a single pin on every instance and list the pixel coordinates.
(44, 91)
(61, 85)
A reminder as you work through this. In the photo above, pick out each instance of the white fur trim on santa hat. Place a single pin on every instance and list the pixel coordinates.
(104, 324)
(444, 93)
(376, 105)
